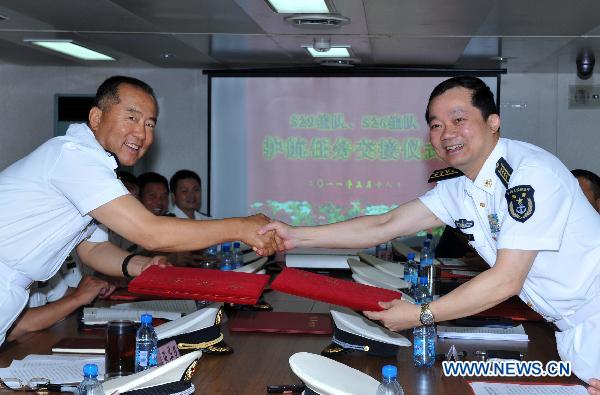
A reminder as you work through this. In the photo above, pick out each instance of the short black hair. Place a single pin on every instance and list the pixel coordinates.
(482, 99)
(149, 178)
(592, 178)
(128, 177)
(108, 92)
(182, 175)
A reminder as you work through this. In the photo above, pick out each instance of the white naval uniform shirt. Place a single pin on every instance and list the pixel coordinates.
(558, 222)
(180, 214)
(45, 199)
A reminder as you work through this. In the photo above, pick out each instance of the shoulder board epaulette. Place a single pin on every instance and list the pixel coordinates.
(503, 171)
(444, 174)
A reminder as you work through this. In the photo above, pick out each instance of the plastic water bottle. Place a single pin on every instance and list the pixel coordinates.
(411, 271)
(421, 294)
(238, 258)
(423, 336)
(390, 384)
(146, 349)
(90, 384)
(427, 268)
(226, 257)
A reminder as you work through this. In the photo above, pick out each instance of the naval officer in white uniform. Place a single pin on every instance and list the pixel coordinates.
(50, 199)
(521, 209)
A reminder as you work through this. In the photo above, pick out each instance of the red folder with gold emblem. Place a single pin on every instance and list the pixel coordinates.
(200, 284)
(332, 290)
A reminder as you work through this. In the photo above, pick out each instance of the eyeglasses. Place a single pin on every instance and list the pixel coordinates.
(33, 384)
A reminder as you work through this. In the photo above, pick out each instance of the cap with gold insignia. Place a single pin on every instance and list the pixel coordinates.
(355, 333)
(171, 378)
(324, 376)
(375, 276)
(200, 330)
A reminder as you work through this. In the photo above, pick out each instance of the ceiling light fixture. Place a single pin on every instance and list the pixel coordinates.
(317, 20)
(300, 7)
(333, 52)
(70, 48)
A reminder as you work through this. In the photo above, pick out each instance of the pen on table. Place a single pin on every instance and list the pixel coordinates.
(59, 388)
(285, 388)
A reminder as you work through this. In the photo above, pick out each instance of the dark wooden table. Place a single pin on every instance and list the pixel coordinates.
(262, 359)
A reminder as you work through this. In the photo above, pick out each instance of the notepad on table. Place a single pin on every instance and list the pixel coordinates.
(516, 333)
(491, 388)
(80, 345)
(101, 315)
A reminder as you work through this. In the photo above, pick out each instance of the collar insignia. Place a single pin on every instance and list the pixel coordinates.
(503, 171)
(463, 224)
(487, 183)
(444, 174)
(521, 205)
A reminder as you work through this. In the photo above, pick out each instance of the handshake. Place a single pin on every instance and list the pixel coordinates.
(266, 236)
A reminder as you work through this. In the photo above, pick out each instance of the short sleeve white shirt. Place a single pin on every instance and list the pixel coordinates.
(180, 214)
(552, 217)
(46, 197)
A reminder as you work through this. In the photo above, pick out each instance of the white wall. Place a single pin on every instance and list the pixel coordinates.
(27, 112)
(535, 108)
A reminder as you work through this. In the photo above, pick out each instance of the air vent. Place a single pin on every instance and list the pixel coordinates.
(338, 62)
(317, 20)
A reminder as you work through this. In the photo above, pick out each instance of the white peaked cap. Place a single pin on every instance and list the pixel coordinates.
(349, 321)
(376, 276)
(169, 372)
(328, 377)
(393, 269)
(200, 319)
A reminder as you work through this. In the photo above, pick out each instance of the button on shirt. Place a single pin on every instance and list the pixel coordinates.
(46, 197)
(563, 226)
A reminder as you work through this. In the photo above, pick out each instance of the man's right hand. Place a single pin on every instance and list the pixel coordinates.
(91, 287)
(264, 243)
(283, 235)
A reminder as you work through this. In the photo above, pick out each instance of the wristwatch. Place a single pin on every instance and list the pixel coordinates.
(426, 316)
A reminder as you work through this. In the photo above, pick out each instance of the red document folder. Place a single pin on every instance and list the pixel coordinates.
(281, 322)
(200, 284)
(332, 290)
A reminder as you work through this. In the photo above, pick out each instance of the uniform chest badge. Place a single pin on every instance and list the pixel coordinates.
(494, 223)
(521, 204)
(463, 224)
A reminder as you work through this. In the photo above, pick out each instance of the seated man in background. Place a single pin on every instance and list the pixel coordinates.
(185, 186)
(51, 301)
(590, 185)
(130, 181)
(154, 193)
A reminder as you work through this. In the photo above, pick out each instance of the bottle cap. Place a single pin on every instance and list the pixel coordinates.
(389, 371)
(236, 244)
(90, 369)
(411, 256)
(226, 247)
(423, 280)
(146, 318)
